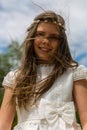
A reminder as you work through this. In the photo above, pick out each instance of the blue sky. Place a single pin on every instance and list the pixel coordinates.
(17, 15)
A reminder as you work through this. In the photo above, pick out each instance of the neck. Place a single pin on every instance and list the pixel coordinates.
(44, 62)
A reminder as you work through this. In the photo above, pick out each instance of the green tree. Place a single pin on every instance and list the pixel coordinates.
(14, 53)
(4, 69)
(9, 60)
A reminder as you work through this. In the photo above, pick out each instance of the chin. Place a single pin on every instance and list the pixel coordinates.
(45, 61)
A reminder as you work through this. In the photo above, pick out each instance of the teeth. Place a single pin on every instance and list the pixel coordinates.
(44, 49)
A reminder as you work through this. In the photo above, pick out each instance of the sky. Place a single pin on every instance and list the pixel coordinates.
(17, 15)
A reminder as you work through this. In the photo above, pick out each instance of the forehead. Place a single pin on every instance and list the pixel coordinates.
(48, 28)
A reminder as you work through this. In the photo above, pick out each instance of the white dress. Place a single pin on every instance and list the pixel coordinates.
(55, 110)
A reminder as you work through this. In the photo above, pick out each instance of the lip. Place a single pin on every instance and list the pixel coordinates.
(44, 49)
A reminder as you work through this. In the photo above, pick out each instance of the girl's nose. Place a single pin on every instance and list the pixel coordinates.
(46, 40)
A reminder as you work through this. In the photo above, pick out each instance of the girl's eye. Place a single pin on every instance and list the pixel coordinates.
(39, 35)
(54, 38)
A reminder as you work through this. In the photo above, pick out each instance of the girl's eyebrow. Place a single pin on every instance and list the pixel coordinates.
(53, 34)
(40, 32)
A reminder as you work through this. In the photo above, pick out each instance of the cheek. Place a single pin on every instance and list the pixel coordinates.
(36, 42)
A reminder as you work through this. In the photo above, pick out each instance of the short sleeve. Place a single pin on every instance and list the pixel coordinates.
(80, 73)
(9, 79)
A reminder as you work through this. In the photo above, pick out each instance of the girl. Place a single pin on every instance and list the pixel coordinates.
(49, 86)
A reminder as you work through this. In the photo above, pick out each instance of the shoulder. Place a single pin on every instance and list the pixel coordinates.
(80, 72)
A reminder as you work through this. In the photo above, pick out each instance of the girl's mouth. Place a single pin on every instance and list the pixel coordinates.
(44, 49)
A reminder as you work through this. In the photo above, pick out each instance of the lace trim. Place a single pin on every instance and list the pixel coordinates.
(9, 79)
(80, 73)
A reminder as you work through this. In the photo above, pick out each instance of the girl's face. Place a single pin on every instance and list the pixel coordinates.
(46, 41)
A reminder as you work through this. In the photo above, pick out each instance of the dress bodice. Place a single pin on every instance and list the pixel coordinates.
(60, 92)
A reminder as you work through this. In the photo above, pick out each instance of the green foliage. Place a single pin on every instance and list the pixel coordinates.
(14, 54)
(4, 69)
(1, 95)
(77, 117)
(8, 61)
(15, 121)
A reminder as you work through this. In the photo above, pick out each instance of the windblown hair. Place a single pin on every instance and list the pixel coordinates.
(27, 89)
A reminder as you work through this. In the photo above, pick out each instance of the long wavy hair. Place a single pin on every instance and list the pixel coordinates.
(27, 89)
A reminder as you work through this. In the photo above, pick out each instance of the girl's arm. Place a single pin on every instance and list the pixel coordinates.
(80, 97)
(7, 111)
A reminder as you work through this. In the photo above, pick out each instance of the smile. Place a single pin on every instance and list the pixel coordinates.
(43, 49)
